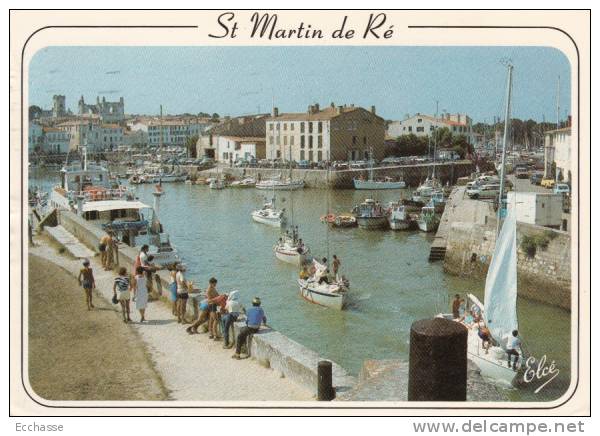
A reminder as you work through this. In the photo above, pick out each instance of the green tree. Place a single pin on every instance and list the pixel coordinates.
(215, 116)
(190, 145)
(442, 137)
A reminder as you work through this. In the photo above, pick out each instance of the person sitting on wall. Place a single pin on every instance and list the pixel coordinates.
(255, 317)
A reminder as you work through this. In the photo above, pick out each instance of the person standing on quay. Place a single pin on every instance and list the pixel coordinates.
(456, 306)
(182, 294)
(213, 307)
(110, 252)
(233, 309)
(122, 285)
(255, 317)
(140, 293)
(141, 259)
(103, 248)
(86, 280)
(173, 290)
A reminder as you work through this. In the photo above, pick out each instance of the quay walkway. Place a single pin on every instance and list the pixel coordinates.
(192, 367)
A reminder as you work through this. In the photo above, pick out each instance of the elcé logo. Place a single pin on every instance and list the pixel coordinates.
(539, 371)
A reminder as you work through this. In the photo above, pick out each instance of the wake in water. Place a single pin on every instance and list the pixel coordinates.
(354, 300)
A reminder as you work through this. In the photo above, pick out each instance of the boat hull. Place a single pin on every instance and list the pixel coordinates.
(428, 226)
(292, 186)
(372, 222)
(290, 256)
(396, 224)
(326, 299)
(372, 185)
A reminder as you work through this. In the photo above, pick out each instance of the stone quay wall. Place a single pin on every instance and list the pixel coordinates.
(543, 277)
(269, 347)
(413, 175)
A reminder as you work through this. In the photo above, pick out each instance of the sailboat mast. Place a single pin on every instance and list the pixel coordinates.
(503, 166)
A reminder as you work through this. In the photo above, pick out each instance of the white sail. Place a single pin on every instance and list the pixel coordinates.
(501, 282)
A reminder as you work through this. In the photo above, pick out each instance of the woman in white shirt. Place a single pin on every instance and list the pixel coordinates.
(234, 309)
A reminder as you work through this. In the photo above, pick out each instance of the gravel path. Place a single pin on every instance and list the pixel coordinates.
(192, 367)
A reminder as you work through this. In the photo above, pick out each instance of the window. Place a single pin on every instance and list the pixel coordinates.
(278, 154)
(319, 141)
(302, 127)
(277, 140)
(302, 140)
(284, 138)
(284, 126)
(320, 127)
(271, 140)
(310, 127)
(364, 140)
(310, 142)
(310, 155)
(319, 155)
(291, 140)
(410, 128)
(292, 126)
(420, 129)
(354, 140)
(431, 128)
(278, 126)
(302, 155)
(420, 120)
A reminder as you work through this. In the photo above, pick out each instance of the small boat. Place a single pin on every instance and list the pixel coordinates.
(344, 221)
(217, 184)
(332, 295)
(387, 183)
(370, 215)
(171, 177)
(290, 249)
(428, 220)
(398, 217)
(269, 215)
(248, 182)
(426, 190)
(280, 185)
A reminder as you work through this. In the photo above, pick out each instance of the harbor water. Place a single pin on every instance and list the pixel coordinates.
(392, 284)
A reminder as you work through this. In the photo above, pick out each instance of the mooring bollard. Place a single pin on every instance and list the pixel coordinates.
(325, 391)
(438, 361)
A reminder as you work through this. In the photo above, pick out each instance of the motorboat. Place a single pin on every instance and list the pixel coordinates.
(386, 183)
(428, 220)
(370, 215)
(280, 185)
(270, 215)
(248, 182)
(398, 218)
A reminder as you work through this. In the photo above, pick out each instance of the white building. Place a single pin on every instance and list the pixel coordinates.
(35, 137)
(557, 150)
(424, 125)
(105, 137)
(175, 131)
(55, 140)
(135, 138)
(538, 208)
(234, 139)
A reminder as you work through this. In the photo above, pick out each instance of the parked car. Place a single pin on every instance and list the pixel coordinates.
(536, 178)
(521, 172)
(547, 183)
(562, 188)
(304, 164)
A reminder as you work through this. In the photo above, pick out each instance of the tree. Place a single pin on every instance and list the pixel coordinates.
(442, 137)
(34, 112)
(411, 145)
(215, 116)
(190, 145)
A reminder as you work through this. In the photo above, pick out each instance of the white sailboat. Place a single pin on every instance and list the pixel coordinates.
(332, 294)
(499, 310)
(269, 214)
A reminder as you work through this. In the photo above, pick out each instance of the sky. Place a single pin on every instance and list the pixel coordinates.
(243, 80)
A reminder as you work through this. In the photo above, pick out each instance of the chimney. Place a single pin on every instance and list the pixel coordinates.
(316, 108)
(340, 109)
(275, 112)
(373, 110)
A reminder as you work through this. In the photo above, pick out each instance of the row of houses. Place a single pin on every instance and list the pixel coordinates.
(320, 134)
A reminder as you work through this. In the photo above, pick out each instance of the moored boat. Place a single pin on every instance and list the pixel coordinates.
(370, 215)
(248, 182)
(269, 215)
(428, 220)
(280, 185)
(291, 249)
(398, 217)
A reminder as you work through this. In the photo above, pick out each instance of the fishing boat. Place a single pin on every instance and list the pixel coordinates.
(291, 249)
(270, 215)
(370, 215)
(216, 184)
(280, 185)
(428, 220)
(332, 295)
(344, 221)
(248, 182)
(398, 217)
(373, 184)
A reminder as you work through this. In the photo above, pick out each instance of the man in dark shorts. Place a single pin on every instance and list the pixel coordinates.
(213, 308)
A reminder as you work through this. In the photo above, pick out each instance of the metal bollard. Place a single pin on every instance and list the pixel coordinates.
(325, 391)
(438, 361)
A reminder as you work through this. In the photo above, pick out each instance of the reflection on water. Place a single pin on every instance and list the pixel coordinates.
(392, 282)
